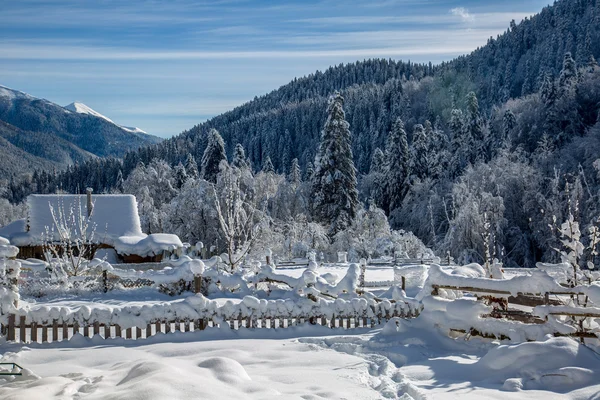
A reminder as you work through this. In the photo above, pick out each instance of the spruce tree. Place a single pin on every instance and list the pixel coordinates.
(377, 162)
(295, 175)
(509, 122)
(397, 159)
(334, 181)
(267, 166)
(239, 157)
(474, 129)
(191, 168)
(212, 157)
(419, 164)
(180, 175)
(568, 74)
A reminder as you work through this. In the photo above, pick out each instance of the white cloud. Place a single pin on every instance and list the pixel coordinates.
(463, 13)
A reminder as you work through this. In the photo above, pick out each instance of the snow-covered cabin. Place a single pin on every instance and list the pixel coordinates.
(113, 219)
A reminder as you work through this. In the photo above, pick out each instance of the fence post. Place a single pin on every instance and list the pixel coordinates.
(105, 281)
(10, 336)
(197, 284)
(403, 283)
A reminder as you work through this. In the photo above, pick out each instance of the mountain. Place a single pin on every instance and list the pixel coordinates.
(500, 140)
(81, 108)
(43, 130)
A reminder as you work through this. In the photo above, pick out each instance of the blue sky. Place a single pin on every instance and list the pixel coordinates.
(166, 66)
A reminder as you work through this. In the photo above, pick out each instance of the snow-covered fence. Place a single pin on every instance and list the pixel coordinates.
(551, 308)
(49, 324)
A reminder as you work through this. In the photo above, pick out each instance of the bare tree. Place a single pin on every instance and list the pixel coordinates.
(69, 242)
(238, 217)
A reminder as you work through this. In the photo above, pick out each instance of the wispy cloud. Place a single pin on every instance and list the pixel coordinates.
(463, 13)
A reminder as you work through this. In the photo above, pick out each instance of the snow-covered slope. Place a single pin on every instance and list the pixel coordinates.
(44, 131)
(81, 108)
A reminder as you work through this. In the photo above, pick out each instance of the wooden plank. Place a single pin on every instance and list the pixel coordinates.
(107, 331)
(65, 331)
(34, 332)
(22, 330)
(148, 330)
(10, 336)
(44, 334)
(128, 333)
(55, 331)
(158, 327)
(86, 330)
(118, 331)
(75, 328)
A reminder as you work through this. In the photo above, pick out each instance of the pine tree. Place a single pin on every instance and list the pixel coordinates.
(397, 159)
(120, 180)
(334, 181)
(509, 122)
(474, 128)
(568, 74)
(460, 143)
(377, 162)
(310, 172)
(180, 175)
(419, 163)
(239, 157)
(295, 175)
(191, 168)
(267, 166)
(212, 157)
(527, 87)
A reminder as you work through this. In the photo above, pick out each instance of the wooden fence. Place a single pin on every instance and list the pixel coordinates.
(18, 330)
(501, 309)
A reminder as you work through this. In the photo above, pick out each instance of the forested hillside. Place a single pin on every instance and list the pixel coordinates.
(485, 153)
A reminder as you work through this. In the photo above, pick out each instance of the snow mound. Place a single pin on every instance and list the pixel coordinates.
(226, 370)
(557, 364)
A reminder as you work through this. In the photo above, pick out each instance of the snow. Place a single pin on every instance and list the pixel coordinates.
(14, 228)
(152, 244)
(81, 108)
(402, 360)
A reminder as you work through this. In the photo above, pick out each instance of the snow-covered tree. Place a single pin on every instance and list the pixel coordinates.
(239, 157)
(334, 181)
(237, 216)
(295, 175)
(267, 166)
(397, 165)
(70, 240)
(180, 175)
(213, 155)
(420, 164)
(191, 168)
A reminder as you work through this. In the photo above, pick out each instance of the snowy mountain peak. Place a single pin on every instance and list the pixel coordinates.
(12, 94)
(81, 108)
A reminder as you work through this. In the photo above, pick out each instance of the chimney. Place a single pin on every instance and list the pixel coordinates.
(90, 205)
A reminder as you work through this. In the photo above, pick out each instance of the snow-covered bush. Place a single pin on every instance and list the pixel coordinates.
(69, 242)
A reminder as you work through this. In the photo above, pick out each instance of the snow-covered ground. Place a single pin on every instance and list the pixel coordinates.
(399, 361)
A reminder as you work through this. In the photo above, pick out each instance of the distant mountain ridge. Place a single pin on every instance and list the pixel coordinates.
(48, 135)
(81, 108)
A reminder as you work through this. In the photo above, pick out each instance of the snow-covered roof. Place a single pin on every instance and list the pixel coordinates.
(113, 215)
(17, 227)
(150, 245)
(115, 220)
